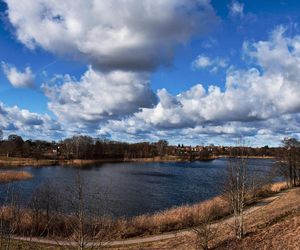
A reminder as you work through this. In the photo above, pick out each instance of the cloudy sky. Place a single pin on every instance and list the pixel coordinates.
(189, 71)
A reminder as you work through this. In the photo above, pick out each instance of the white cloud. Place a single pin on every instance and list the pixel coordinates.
(256, 133)
(111, 34)
(98, 96)
(17, 78)
(22, 121)
(249, 95)
(260, 103)
(213, 65)
(236, 9)
(202, 62)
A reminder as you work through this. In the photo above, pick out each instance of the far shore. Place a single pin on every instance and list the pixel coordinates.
(248, 157)
(24, 162)
(33, 162)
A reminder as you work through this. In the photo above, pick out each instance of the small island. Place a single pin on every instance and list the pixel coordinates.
(9, 176)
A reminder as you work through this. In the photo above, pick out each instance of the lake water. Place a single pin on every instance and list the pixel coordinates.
(129, 189)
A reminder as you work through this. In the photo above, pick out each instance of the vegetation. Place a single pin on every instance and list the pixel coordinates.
(14, 150)
(289, 161)
(9, 176)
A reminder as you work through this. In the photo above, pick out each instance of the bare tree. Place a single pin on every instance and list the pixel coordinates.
(9, 217)
(44, 206)
(289, 163)
(205, 232)
(86, 230)
(236, 188)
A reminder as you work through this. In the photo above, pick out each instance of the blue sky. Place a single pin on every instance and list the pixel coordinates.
(192, 71)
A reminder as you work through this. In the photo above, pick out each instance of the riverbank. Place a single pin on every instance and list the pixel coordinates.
(174, 219)
(22, 162)
(10, 176)
(187, 216)
(264, 221)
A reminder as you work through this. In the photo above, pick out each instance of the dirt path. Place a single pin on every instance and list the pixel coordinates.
(167, 236)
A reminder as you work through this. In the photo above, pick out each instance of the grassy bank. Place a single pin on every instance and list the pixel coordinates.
(9, 176)
(34, 223)
(273, 223)
(17, 162)
(186, 216)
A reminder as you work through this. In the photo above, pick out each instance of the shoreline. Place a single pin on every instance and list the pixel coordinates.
(183, 217)
(31, 162)
(246, 157)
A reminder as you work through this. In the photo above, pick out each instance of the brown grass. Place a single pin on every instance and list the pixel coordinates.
(179, 218)
(18, 161)
(9, 176)
(273, 226)
(188, 216)
(173, 219)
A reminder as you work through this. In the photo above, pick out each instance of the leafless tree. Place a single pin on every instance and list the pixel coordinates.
(44, 206)
(9, 217)
(205, 232)
(87, 230)
(236, 188)
(289, 161)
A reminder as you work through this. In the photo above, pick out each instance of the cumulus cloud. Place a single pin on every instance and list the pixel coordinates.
(99, 96)
(139, 35)
(236, 9)
(22, 121)
(18, 78)
(260, 93)
(260, 103)
(205, 62)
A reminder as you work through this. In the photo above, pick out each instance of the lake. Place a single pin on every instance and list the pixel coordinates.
(130, 189)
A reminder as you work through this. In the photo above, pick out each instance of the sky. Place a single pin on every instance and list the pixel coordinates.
(195, 72)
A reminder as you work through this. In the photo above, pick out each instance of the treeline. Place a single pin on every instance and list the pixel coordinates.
(86, 147)
(82, 147)
(288, 163)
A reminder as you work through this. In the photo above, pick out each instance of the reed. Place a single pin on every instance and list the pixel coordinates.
(9, 176)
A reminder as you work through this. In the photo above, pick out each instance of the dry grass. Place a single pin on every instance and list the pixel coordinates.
(173, 219)
(278, 187)
(274, 226)
(18, 161)
(21, 245)
(9, 176)
(186, 216)
(165, 221)
(262, 226)
(270, 189)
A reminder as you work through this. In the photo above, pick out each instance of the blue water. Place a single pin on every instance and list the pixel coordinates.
(130, 189)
